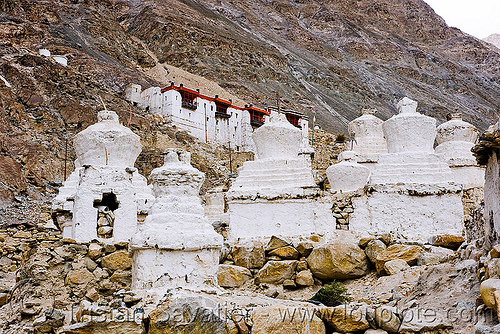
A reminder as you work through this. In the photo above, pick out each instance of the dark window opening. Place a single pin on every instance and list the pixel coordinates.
(293, 119)
(105, 215)
(188, 100)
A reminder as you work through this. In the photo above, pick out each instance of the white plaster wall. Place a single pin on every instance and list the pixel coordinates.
(246, 133)
(190, 120)
(415, 218)
(94, 181)
(347, 176)
(291, 217)
(411, 167)
(214, 205)
(153, 98)
(410, 132)
(469, 176)
(160, 269)
(102, 144)
(133, 93)
(368, 135)
(492, 195)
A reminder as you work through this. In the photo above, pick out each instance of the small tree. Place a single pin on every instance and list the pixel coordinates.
(332, 294)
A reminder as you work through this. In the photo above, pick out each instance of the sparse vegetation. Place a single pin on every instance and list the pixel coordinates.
(340, 138)
(332, 294)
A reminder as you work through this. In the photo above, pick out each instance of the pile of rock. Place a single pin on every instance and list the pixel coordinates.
(50, 281)
(342, 209)
(317, 260)
(280, 262)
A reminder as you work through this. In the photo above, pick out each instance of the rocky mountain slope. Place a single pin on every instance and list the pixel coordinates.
(333, 57)
(493, 39)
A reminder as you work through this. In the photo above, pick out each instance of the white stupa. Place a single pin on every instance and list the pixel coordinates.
(175, 246)
(368, 136)
(411, 191)
(103, 196)
(275, 194)
(456, 139)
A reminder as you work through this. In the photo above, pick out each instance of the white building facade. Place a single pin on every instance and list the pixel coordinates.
(209, 119)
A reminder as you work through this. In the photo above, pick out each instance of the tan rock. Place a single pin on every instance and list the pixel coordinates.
(79, 276)
(387, 318)
(250, 255)
(363, 242)
(229, 276)
(91, 265)
(386, 238)
(281, 319)
(302, 265)
(117, 260)
(435, 255)
(276, 272)
(305, 248)
(121, 278)
(191, 315)
(286, 253)
(338, 259)
(375, 331)
(373, 248)
(275, 243)
(490, 293)
(448, 241)
(344, 318)
(409, 253)
(289, 284)
(95, 250)
(304, 278)
(395, 266)
(495, 251)
(4, 297)
(100, 327)
(92, 295)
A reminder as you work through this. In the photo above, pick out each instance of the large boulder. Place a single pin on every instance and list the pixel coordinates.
(344, 318)
(275, 243)
(338, 259)
(373, 248)
(409, 253)
(435, 255)
(304, 278)
(395, 266)
(434, 322)
(490, 293)
(286, 253)
(387, 318)
(249, 255)
(188, 315)
(229, 276)
(282, 319)
(447, 241)
(100, 327)
(117, 260)
(276, 272)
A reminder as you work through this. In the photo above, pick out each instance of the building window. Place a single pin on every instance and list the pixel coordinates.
(188, 100)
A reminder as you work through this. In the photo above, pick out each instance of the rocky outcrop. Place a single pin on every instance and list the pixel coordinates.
(338, 259)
